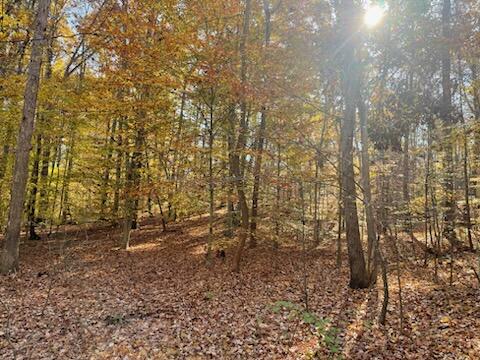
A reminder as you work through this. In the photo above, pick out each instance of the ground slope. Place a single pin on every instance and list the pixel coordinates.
(78, 296)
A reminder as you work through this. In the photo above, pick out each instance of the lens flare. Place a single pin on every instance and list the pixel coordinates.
(373, 15)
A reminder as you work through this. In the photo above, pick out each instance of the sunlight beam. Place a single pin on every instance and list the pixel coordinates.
(373, 16)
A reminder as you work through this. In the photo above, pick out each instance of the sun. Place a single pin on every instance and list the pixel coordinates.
(373, 15)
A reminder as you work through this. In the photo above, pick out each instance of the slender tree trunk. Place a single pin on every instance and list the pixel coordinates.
(278, 192)
(446, 114)
(466, 173)
(427, 215)
(406, 184)
(45, 156)
(55, 164)
(34, 191)
(65, 212)
(340, 217)
(383, 265)
(119, 160)
(106, 173)
(241, 142)
(468, 216)
(5, 152)
(230, 184)
(136, 177)
(261, 134)
(129, 203)
(358, 273)
(211, 188)
(44, 182)
(256, 180)
(304, 250)
(316, 220)
(367, 193)
(9, 258)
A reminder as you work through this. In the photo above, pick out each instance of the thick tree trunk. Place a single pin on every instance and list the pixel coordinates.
(9, 259)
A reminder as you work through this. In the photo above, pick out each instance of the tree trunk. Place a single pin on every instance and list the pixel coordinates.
(65, 212)
(446, 114)
(106, 173)
(240, 146)
(316, 221)
(211, 188)
(9, 259)
(358, 273)
(5, 152)
(34, 191)
(119, 159)
(44, 182)
(230, 186)
(278, 192)
(261, 135)
(467, 215)
(367, 193)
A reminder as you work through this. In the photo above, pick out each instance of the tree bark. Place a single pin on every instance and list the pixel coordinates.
(110, 141)
(240, 146)
(211, 185)
(367, 193)
(261, 134)
(9, 259)
(347, 18)
(34, 191)
(446, 114)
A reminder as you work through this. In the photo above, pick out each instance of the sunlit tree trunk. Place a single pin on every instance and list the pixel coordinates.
(466, 165)
(347, 18)
(9, 259)
(367, 193)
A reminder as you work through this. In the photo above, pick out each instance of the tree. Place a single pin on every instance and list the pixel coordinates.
(448, 121)
(235, 162)
(347, 19)
(9, 259)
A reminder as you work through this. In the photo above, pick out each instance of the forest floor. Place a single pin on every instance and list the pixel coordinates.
(78, 296)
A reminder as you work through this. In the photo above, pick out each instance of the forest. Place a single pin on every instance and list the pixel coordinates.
(239, 179)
